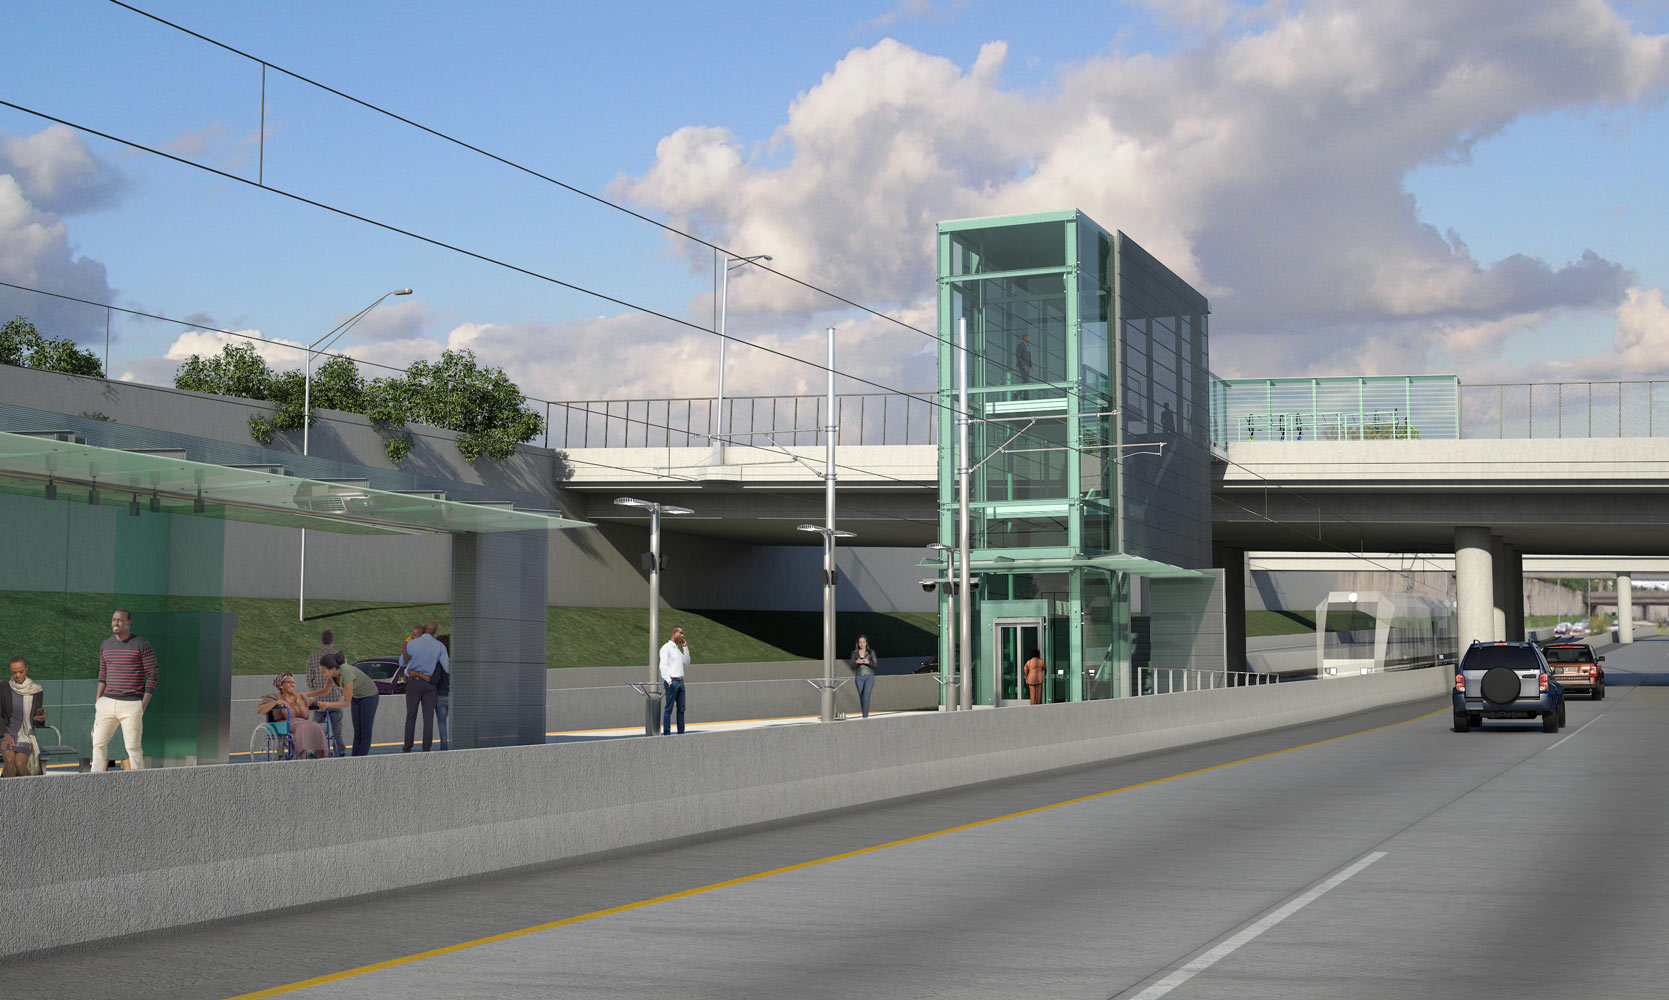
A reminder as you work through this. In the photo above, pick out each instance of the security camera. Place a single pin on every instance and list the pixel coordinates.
(973, 583)
(929, 585)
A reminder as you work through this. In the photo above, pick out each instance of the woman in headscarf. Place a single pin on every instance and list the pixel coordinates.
(285, 704)
(22, 708)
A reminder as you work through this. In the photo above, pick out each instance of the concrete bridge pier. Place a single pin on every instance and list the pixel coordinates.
(1515, 594)
(1500, 587)
(1474, 585)
(1625, 608)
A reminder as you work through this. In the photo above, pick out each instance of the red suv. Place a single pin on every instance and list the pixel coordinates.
(1576, 667)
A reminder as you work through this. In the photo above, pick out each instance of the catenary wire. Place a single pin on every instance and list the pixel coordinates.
(454, 248)
(530, 171)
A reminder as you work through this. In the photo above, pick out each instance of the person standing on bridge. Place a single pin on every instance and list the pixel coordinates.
(863, 662)
(675, 663)
(1035, 670)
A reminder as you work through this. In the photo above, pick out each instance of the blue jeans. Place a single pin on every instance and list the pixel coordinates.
(674, 693)
(865, 683)
(334, 717)
(364, 713)
(443, 705)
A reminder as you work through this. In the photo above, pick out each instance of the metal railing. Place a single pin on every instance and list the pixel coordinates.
(1176, 680)
(870, 418)
(1619, 409)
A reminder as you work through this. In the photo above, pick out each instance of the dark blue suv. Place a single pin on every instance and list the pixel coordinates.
(1507, 680)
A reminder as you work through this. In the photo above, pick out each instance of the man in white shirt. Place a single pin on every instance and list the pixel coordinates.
(675, 663)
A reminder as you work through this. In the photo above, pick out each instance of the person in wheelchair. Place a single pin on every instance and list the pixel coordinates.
(285, 705)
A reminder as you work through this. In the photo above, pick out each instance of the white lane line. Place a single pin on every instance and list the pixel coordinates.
(1229, 946)
(1579, 729)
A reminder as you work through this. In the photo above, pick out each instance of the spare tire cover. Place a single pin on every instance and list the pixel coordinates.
(1501, 685)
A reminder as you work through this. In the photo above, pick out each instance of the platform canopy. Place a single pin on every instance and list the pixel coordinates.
(41, 466)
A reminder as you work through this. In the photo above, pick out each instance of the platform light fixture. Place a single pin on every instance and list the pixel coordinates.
(651, 697)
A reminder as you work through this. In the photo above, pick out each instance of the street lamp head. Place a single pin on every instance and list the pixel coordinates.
(811, 527)
(402, 291)
(671, 509)
(941, 546)
(631, 502)
(837, 533)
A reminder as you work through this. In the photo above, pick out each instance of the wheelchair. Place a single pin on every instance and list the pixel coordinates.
(273, 741)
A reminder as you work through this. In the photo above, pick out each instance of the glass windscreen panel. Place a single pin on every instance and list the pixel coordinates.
(996, 529)
(1032, 463)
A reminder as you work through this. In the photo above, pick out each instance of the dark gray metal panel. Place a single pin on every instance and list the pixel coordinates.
(498, 638)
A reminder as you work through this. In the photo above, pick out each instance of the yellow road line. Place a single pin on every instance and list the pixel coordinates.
(625, 907)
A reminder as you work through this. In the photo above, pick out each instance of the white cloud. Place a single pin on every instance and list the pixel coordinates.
(41, 177)
(1264, 163)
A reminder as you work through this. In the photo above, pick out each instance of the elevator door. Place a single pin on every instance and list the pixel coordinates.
(1015, 640)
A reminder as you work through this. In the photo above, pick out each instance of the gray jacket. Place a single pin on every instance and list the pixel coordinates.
(867, 667)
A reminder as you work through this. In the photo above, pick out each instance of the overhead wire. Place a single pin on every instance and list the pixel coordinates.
(532, 172)
(485, 258)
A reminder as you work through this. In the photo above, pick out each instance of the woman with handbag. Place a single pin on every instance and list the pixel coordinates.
(863, 663)
(22, 708)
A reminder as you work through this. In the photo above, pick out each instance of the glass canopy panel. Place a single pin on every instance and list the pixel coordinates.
(29, 465)
(1008, 248)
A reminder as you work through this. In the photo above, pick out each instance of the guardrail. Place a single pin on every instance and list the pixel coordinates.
(1176, 680)
(869, 418)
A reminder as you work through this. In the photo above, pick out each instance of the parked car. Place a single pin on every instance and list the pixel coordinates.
(1507, 680)
(386, 671)
(1576, 668)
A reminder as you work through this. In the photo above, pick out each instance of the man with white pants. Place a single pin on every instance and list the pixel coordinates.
(127, 679)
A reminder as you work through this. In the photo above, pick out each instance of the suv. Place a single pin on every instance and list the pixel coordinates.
(1575, 667)
(1507, 680)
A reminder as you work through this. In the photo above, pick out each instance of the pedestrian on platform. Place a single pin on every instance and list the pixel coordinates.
(22, 708)
(675, 664)
(358, 695)
(320, 688)
(1035, 670)
(863, 663)
(127, 679)
(425, 657)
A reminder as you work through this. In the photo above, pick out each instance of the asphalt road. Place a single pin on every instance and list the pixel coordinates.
(1380, 855)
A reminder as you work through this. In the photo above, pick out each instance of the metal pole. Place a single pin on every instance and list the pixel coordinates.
(652, 705)
(306, 410)
(724, 295)
(965, 593)
(948, 668)
(826, 696)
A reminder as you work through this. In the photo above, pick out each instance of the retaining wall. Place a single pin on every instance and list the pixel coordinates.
(205, 844)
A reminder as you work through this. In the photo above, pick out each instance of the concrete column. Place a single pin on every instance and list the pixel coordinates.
(1515, 595)
(1474, 586)
(1499, 558)
(1625, 608)
(499, 620)
(1232, 562)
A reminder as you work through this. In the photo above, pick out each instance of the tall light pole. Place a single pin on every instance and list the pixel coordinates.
(948, 667)
(322, 344)
(717, 439)
(651, 693)
(963, 462)
(826, 699)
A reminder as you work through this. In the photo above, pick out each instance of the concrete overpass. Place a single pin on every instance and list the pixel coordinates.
(1594, 509)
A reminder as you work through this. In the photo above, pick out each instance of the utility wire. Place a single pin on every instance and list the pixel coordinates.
(432, 241)
(445, 137)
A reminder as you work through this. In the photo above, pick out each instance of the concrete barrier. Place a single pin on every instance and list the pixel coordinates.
(118, 853)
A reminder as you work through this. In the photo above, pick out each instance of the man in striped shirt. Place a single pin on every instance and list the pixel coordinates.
(127, 678)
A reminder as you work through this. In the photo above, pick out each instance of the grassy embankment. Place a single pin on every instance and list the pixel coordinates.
(60, 633)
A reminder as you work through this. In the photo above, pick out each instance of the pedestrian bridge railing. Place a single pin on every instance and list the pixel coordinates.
(1176, 680)
(869, 418)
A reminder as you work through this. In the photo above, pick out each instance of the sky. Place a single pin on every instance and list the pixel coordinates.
(1358, 186)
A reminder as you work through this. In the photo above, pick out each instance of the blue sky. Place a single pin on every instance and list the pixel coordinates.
(1359, 187)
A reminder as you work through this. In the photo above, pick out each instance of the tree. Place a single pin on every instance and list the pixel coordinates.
(24, 346)
(481, 404)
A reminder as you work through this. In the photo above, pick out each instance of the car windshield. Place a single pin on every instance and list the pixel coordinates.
(1486, 657)
(377, 670)
(1568, 654)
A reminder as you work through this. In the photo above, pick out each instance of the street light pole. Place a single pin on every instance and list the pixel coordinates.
(947, 667)
(965, 594)
(717, 439)
(831, 430)
(651, 701)
(307, 420)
